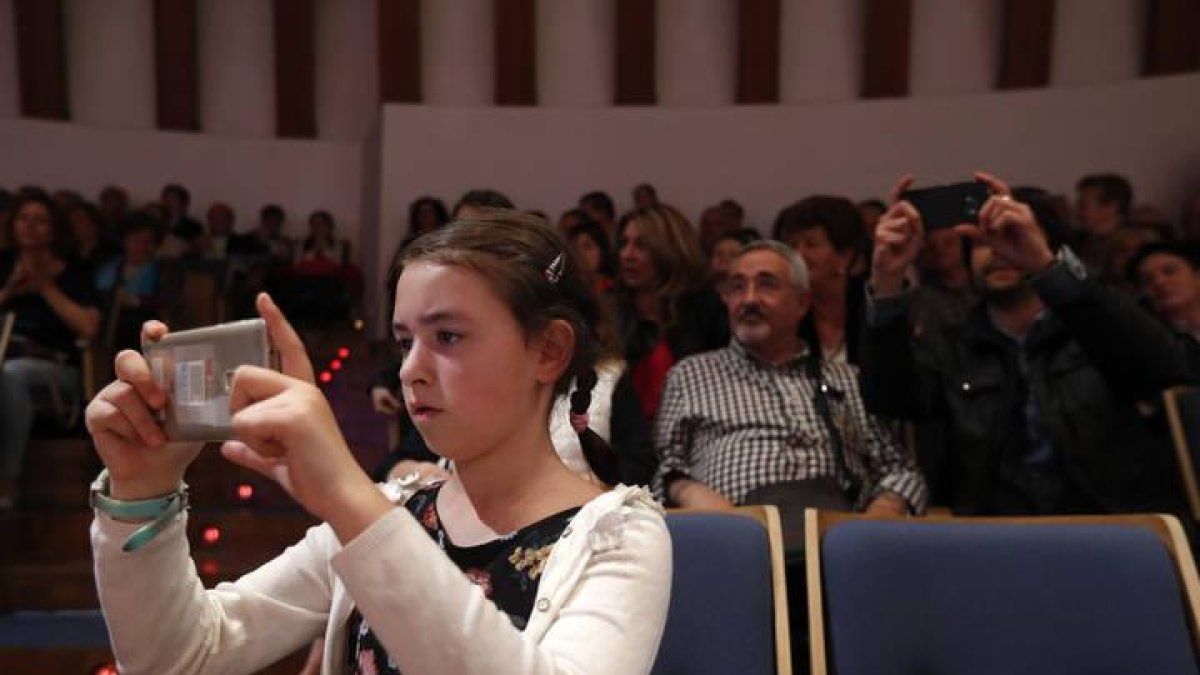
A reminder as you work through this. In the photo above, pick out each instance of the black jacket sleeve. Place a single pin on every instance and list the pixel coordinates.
(1134, 352)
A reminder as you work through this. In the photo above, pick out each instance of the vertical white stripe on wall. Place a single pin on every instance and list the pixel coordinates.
(236, 63)
(696, 52)
(10, 97)
(347, 68)
(820, 50)
(575, 53)
(1097, 41)
(955, 47)
(456, 52)
(110, 62)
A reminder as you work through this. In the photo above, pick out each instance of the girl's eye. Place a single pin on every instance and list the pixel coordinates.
(404, 345)
(448, 338)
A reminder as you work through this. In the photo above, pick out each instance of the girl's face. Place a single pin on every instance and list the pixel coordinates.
(1170, 284)
(471, 380)
(33, 227)
(588, 252)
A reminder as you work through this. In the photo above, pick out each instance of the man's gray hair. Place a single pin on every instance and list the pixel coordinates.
(795, 262)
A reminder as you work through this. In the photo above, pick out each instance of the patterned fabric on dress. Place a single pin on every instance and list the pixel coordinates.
(508, 570)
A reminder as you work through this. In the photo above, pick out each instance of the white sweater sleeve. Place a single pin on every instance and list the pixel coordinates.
(432, 619)
(162, 621)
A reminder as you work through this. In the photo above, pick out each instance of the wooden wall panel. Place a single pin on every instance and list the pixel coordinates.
(635, 78)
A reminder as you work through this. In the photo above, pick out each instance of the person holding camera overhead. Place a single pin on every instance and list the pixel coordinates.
(514, 564)
(1037, 387)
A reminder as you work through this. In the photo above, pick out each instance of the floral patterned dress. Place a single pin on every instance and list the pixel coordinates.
(508, 570)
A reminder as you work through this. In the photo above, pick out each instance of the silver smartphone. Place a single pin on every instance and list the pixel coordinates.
(196, 367)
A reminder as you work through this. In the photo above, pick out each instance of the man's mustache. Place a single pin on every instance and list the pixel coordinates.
(751, 311)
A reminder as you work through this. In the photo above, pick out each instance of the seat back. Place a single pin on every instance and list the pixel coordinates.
(1183, 413)
(728, 611)
(978, 595)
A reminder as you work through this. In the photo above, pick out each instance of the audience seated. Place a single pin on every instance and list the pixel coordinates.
(713, 226)
(593, 250)
(54, 301)
(665, 308)
(827, 231)
(944, 293)
(644, 196)
(1102, 203)
(1168, 276)
(113, 202)
(184, 233)
(1123, 246)
(599, 207)
(723, 252)
(473, 201)
(1037, 388)
(89, 236)
(323, 284)
(130, 285)
(221, 240)
(750, 415)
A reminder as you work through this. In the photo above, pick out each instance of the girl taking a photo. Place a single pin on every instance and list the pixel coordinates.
(514, 564)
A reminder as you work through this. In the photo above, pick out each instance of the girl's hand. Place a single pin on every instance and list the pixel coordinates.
(122, 420)
(285, 430)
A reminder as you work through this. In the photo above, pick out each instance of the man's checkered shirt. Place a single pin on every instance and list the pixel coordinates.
(735, 423)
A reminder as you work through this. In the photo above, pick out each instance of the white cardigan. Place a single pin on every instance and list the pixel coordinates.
(601, 604)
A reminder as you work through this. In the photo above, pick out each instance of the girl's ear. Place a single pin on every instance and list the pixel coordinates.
(554, 350)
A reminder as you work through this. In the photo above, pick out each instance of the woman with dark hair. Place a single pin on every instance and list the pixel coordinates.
(426, 214)
(827, 232)
(52, 298)
(590, 244)
(328, 283)
(665, 308)
(90, 242)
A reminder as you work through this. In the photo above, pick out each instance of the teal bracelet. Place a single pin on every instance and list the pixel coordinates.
(159, 511)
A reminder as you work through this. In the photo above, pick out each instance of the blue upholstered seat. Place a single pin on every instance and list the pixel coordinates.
(975, 599)
(721, 618)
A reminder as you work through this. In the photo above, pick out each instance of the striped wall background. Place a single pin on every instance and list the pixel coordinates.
(322, 68)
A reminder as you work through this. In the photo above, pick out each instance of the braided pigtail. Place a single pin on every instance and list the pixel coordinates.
(599, 454)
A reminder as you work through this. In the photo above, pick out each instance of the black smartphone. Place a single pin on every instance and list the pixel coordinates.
(948, 205)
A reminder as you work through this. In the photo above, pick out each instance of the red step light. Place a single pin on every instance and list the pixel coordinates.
(325, 377)
(335, 365)
(245, 491)
(210, 568)
(211, 534)
(343, 352)
(105, 669)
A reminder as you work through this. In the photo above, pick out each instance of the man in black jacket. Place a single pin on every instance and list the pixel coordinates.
(1038, 387)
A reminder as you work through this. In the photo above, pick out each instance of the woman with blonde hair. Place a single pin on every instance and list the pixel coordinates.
(665, 307)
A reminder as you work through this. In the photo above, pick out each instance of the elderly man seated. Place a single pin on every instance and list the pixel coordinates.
(761, 412)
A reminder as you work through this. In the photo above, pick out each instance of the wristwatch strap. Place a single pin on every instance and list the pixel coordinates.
(158, 511)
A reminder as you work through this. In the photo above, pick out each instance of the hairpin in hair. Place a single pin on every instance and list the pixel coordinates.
(555, 269)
